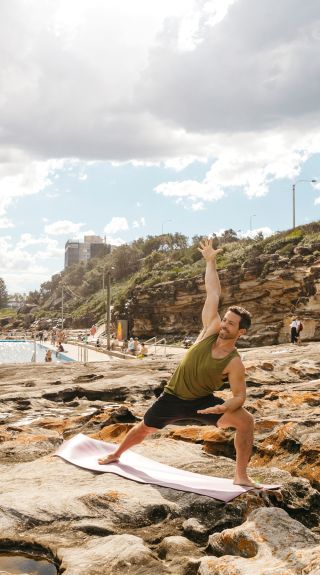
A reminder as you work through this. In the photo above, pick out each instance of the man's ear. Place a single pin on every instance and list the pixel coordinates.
(242, 331)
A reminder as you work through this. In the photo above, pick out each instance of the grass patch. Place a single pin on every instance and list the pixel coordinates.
(7, 312)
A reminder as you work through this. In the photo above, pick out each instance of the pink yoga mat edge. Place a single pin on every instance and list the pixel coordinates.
(84, 452)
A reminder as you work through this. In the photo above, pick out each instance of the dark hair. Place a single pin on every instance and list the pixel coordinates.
(245, 316)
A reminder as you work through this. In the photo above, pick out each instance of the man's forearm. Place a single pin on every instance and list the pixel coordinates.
(212, 281)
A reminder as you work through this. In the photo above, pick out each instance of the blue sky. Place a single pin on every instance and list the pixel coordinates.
(125, 119)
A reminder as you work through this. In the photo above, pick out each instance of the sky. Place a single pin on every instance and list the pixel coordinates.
(133, 118)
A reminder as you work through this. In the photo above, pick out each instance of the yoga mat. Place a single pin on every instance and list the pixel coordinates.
(84, 452)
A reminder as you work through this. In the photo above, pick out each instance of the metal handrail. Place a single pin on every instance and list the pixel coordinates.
(156, 342)
(82, 354)
(165, 345)
(151, 338)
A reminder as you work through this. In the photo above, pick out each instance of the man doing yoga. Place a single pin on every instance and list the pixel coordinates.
(189, 394)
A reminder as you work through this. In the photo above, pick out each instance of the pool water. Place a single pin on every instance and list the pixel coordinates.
(22, 352)
(24, 564)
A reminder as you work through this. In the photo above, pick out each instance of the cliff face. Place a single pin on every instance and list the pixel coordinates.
(271, 287)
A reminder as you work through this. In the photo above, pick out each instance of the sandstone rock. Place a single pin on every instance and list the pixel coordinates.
(111, 555)
(73, 514)
(177, 546)
(194, 530)
(270, 293)
(274, 543)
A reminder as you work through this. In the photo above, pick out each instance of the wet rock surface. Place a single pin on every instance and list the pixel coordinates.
(90, 523)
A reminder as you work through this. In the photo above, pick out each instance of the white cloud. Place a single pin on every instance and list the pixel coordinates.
(161, 104)
(181, 163)
(62, 227)
(214, 81)
(197, 206)
(115, 241)
(140, 223)
(21, 177)
(81, 233)
(18, 266)
(249, 162)
(116, 225)
(203, 14)
(317, 187)
(23, 263)
(50, 248)
(256, 68)
(6, 223)
(53, 195)
(265, 231)
(191, 189)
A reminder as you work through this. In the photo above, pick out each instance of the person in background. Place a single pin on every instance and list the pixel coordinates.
(48, 356)
(299, 330)
(136, 345)
(294, 330)
(131, 346)
(143, 352)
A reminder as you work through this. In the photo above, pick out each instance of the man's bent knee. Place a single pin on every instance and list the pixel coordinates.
(238, 419)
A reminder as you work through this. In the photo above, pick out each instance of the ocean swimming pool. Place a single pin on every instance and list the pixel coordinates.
(20, 351)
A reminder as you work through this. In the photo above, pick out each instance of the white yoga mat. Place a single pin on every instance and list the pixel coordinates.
(84, 452)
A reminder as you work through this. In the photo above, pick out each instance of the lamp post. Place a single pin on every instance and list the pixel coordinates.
(107, 302)
(62, 303)
(253, 216)
(313, 181)
(165, 222)
(108, 307)
(104, 299)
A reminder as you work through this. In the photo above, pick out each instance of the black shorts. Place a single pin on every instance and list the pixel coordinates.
(169, 408)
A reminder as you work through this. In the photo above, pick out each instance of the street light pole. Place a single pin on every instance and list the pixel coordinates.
(253, 216)
(108, 307)
(165, 222)
(104, 300)
(313, 181)
(62, 296)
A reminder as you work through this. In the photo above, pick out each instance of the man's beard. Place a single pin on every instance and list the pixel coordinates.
(225, 335)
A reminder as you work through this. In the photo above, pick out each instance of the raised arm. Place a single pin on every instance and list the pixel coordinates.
(210, 318)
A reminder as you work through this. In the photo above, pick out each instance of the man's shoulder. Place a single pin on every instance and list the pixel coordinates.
(236, 364)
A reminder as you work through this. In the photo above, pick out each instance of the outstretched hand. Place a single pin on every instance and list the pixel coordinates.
(207, 251)
(215, 409)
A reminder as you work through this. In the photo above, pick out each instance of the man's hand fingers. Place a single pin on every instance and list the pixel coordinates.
(209, 410)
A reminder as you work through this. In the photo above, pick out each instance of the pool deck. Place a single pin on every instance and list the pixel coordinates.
(73, 352)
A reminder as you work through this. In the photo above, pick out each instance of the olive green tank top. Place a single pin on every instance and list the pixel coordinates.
(199, 374)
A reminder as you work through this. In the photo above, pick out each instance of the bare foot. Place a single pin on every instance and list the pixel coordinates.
(247, 482)
(111, 458)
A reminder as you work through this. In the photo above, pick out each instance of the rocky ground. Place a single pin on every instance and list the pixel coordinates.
(90, 523)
